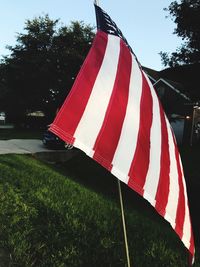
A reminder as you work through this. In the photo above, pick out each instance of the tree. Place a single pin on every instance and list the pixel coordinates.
(186, 15)
(42, 66)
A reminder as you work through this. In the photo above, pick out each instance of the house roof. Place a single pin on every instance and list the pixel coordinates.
(177, 87)
(183, 79)
(186, 77)
(153, 74)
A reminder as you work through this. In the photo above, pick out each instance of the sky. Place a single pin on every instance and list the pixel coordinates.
(142, 22)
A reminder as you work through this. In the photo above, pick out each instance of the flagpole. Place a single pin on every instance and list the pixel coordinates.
(96, 2)
(124, 224)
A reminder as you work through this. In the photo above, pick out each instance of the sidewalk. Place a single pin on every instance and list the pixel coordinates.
(22, 146)
(35, 146)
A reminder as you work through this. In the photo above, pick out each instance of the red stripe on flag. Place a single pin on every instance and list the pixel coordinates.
(140, 163)
(72, 110)
(191, 248)
(180, 214)
(163, 185)
(108, 137)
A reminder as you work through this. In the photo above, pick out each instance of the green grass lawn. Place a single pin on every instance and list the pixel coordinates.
(69, 215)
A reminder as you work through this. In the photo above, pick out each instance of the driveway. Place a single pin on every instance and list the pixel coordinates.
(22, 146)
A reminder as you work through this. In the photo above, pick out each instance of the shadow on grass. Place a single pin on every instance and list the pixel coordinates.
(87, 172)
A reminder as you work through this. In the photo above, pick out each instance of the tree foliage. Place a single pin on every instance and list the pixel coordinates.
(186, 15)
(42, 66)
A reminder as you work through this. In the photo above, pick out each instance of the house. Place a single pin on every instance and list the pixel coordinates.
(180, 109)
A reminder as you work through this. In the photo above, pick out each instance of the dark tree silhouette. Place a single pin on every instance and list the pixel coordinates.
(42, 66)
(186, 15)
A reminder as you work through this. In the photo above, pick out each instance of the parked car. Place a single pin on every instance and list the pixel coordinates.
(52, 141)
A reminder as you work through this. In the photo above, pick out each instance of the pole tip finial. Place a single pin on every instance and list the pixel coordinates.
(96, 2)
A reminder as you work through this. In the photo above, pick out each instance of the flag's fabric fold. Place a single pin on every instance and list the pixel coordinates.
(113, 114)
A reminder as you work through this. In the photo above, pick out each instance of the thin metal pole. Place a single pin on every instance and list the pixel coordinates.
(124, 224)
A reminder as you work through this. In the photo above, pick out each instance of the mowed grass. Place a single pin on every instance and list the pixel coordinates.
(69, 215)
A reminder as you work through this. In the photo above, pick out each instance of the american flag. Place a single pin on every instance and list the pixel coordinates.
(113, 114)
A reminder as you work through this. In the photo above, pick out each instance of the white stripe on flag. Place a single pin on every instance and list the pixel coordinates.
(93, 116)
(128, 139)
(187, 224)
(153, 174)
(173, 196)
